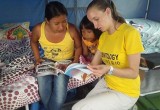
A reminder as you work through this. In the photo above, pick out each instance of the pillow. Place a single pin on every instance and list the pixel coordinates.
(14, 31)
(11, 49)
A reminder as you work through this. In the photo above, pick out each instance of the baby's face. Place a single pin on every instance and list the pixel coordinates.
(88, 34)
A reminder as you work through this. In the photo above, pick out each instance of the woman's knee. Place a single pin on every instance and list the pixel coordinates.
(75, 107)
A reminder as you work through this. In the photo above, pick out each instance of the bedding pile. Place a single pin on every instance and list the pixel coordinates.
(18, 86)
(150, 33)
(17, 83)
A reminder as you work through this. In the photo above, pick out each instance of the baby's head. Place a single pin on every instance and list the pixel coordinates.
(88, 31)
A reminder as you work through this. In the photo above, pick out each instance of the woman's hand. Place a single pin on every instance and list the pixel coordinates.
(62, 66)
(98, 70)
(39, 61)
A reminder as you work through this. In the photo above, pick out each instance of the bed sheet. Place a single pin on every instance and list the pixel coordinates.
(19, 93)
(150, 33)
(19, 88)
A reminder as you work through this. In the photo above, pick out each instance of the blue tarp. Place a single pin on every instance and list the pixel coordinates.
(12, 11)
(33, 10)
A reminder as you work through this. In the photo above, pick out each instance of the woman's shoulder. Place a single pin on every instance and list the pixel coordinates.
(71, 26)
(72, 29)
(37, 27)
(37, 30)
(129, 27)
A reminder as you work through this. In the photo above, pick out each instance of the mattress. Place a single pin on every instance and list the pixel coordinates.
(150, 33)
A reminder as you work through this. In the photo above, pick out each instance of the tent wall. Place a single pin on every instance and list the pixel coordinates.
(153, 10)
(12, 11)
(33, 10)
(76, 9)
(132, 8)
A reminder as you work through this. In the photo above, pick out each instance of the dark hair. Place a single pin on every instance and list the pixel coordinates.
(89, 25)
(103, 4)
(54, 9)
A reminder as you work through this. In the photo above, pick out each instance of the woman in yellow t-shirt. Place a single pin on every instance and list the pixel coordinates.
(119, 48)
(59, 40)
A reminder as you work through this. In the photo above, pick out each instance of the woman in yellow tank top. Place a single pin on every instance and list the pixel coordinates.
(59, 40)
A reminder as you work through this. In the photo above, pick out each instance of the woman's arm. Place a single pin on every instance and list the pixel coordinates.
(97, 58)
(77, 42)
(131, 72)
(34, 43)
(85, 49)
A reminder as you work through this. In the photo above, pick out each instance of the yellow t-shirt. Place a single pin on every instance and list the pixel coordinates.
(124, 41)
(92, 46)
(57, 51)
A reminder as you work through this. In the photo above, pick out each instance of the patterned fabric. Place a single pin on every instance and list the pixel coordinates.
(18, 94)
(92, 46)
(17, 69)
(17, 84)
(11, 49)
(14, 31)
(74, 83)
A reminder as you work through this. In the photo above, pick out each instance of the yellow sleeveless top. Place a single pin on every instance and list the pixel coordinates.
(92, 46)
(57, 51)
